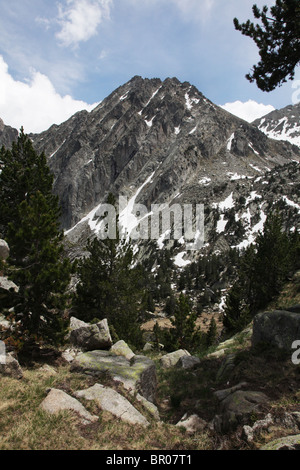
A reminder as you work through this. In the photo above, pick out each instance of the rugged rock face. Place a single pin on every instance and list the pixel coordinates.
(164, 142)
(7, 134)
(282, 124)
(278, 328)
(162, 138)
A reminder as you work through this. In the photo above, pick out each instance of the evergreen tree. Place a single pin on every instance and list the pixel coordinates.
(184, 333)
(262, 272)
(110, 287)
(278, 40)
(30, 214)
(271, 264)
(212, 332)
(236, 312)
(170, 305)
(24, 172)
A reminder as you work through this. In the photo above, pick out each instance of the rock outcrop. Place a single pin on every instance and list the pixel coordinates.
(236, 408)
(111, 401)
(138, 374)
(277, 328)
(89, 337)
(7, 134)
(58, 400)
(10, 367)
(282, 124)
(4, 250)
(171, 359)
(158, 141)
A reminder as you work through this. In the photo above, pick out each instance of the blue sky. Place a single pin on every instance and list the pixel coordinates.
(57, 57)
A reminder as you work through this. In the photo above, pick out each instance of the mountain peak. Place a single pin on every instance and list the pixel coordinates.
(282, 124)
(167, 129)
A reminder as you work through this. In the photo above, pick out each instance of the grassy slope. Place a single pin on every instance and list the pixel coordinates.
(23, 425)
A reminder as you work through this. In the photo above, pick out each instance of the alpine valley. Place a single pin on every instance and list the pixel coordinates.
(163, 142)
(154, 142)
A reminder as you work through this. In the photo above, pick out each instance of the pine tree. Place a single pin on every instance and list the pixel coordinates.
(110, 286)
(271, 263)
(278, 40)
(30, 220)
(262, 272)
(24, 172)
(184, 333)
(212, 332)
(236, 312)
(38, 268)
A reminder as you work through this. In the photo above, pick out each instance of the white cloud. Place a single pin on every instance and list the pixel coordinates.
(249, 110)
(79, 20)
(34, 104)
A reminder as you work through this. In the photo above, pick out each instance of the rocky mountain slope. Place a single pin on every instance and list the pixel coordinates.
(160, 142)
(282, 124)
(7, 134)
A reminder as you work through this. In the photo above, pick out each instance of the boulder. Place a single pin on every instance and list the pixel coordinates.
(75, 323)
(192, 423)
(8, 290)
(4, 250)
(122, 349)
(148, 405)
(4, 324)
(294, 309)
(171, 359)
(188, 362)
(249, 432)
(90, 337)
(110, 400)
(10, 367)
(69, 354)
(285, 443)
(7, 285)
(227, 366)
(238, 406)
(58, 400)
(138, 374)
(222, 394)
(279, 328)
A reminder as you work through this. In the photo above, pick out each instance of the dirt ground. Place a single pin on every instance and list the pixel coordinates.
(202, 322)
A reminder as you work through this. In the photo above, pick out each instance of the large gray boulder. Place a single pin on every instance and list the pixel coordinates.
(279, 328)
(4, 250)
(192, 424)
(89, 337)
(188, 362)
(7, 285)
(137, 374)
(237, 408)
(111, 401)
(284, 443)
(58, 400)
(122, 349)
(171, 359)
(10, 367)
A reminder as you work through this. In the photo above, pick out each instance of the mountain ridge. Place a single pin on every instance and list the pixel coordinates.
(158, 142)
(143, 123)
(282, 124)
